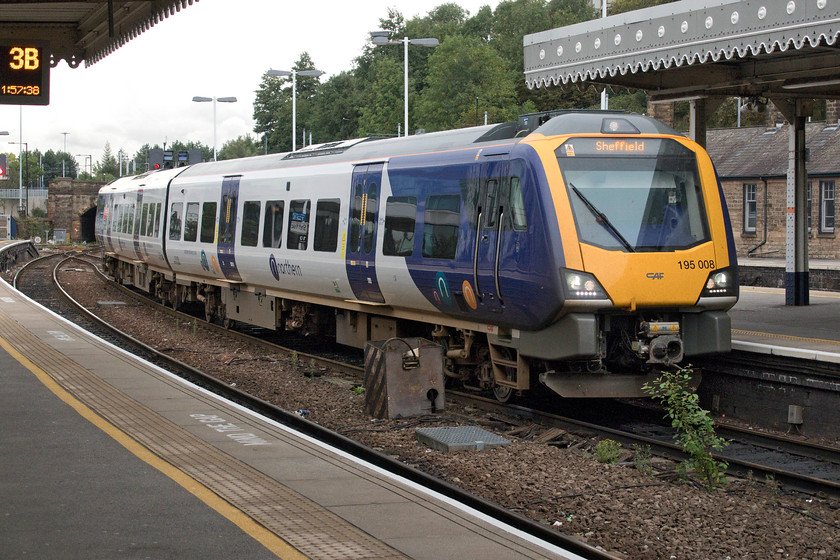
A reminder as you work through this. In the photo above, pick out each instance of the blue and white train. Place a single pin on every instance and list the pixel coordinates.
(584, 254)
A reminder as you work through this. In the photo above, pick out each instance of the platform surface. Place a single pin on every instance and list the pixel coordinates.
(107, 456)
(761, 319)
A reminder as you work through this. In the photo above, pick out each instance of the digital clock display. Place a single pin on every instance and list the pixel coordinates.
(24, 73)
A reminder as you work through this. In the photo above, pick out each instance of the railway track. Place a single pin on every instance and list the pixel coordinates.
(794, 464)
(38, 280)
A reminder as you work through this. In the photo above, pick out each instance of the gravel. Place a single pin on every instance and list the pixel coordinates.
(644, 513)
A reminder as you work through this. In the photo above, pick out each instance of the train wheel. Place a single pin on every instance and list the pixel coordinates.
(503, 394)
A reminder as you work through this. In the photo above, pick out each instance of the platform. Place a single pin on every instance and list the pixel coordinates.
(108, 456)
(761, 322)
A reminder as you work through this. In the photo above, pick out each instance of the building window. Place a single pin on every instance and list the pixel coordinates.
(750, 190)
(808, 204)
(826, 206)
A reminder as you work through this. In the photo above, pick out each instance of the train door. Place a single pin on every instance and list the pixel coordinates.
(135, 225)
(361, 243)
(227, 229)
(493, 183)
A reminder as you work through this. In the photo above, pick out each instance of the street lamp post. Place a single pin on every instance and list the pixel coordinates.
(294, 74)
(380, 37)
(22, 160)
(85, 164)
(64, 156)
(199, 99)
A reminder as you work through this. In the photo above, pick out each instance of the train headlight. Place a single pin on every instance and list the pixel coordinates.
(581, 285)
(721, 282)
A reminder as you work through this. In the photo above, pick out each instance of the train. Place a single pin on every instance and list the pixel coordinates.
(582, 252)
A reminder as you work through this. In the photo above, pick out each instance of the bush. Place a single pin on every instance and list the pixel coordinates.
(695, 428)
(607, 451)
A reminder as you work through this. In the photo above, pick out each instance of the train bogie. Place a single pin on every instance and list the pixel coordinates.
(584, 255)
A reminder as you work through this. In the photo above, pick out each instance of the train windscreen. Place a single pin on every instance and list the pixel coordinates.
(634, 194)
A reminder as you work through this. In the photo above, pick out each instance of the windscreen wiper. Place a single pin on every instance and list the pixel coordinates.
(602, 218)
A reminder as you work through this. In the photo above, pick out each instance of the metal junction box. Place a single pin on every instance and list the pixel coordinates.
(403, 377)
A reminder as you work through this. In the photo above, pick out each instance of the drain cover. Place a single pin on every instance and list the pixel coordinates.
(459, 438)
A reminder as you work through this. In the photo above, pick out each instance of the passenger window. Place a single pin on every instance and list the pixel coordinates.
(144, 220)
(175, 219)
(191, 223)
(273, 226)
(298, 235)
(440, 230)
(326, 225)
(208, 222)
(250, 224)
(157, 220)
(489, 210)
(150, 220)
(370, 216)
(517, 205)
(131, 219)
(400, 217)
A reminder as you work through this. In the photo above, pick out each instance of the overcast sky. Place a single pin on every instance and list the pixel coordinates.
(142, 92)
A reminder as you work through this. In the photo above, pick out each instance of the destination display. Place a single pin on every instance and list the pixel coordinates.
(24, 73)
(610, 146)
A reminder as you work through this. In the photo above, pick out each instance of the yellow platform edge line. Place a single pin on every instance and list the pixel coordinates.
(786, 337)
(253, 529)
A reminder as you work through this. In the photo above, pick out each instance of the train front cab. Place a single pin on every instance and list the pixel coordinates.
(648, 265)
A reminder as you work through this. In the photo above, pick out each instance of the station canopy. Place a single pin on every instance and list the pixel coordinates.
(86, 30)
(698, 49)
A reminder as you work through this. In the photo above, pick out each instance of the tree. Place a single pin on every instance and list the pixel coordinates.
(335, 110)
(273, 105)
(57, 163)
(243, 146)
(31, 170)
(382, 112)
(464, 74)
(108, 168)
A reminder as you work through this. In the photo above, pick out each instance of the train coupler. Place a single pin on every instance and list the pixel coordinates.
(660, 342)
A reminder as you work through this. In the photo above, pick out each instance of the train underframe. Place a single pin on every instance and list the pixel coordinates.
(580, 356)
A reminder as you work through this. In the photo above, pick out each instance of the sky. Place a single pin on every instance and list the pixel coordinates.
(142, 92)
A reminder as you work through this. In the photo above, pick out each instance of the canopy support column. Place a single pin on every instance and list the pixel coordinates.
(796, 225)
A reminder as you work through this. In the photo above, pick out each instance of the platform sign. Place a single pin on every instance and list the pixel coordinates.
(24, 73)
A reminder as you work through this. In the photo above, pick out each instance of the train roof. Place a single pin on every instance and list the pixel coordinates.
(148, 180)
(372, 149)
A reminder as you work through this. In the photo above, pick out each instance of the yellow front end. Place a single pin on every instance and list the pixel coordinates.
(637, 278)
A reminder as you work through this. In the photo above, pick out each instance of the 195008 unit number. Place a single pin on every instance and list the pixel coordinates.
(702, 264)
